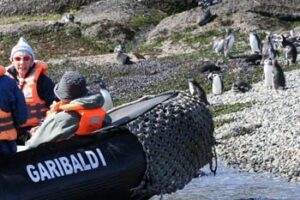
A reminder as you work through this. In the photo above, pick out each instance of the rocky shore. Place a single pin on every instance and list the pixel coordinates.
(263, 137)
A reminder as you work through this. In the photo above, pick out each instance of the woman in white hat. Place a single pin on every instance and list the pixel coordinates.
(36, 86)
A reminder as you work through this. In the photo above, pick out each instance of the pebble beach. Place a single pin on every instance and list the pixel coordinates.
(264, 136)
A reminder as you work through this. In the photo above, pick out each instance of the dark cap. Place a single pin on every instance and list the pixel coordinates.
(72, 85)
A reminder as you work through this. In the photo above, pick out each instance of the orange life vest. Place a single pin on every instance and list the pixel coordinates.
(35, 105)
(2, 70)
(91, 118)
(7, 128)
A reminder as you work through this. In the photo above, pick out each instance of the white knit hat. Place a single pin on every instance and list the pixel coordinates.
(22, 46)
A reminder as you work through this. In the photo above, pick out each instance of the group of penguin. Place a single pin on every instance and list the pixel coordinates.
(268, 51)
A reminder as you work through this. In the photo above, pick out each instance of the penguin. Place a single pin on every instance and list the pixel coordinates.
(278, 75)
(255, 43)
(292, 33)
(289, 49)
(206, 3)
(206, 18)
(290, 54)
(268, 73)
(268, 48)
(210, 67)
(121, 57)
(218, 45)
(108, 103)
(297, 42)
(68, 18)
(240, 86)
(217, 83)
(119, 48)
(228, 43)
(196, 89)
(253, 59)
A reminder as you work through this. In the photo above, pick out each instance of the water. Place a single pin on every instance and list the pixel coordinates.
(229, 184)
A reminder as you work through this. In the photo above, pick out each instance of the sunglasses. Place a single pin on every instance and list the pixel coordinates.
(25, 58)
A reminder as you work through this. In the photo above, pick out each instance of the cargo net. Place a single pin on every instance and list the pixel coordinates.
(177, 137)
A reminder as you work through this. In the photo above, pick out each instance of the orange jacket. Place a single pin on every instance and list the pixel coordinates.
(7, 128)
(91, 118)
(36, 106)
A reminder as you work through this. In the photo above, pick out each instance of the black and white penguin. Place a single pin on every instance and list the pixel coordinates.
(255, 43)
(206, 3)
(108, 103)
(278, 75)
(196, 89)
(292, 33)
(241, 86)
(218, 45)
(206, 18)
(289, 49)
(210, 67)
(268, 73)
(268, 48)
(68, 18)
(121, 57)
(217, 83)
(253, 59)
(228, 43)
(101, 87)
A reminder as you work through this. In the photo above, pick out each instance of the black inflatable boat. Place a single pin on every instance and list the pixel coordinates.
(121, 161)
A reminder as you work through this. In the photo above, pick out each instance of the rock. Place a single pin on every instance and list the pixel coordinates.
(37, 7)
(170, 6)
(109, 30)
(175, 23)
(119, 11)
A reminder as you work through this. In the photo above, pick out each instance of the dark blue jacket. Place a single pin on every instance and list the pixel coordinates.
(12, 100)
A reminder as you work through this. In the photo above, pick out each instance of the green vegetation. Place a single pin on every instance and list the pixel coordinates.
(219, 123)
(218, 110)
(142, 21)
(241, 44)
(202, 38)
(291, 67)
(52, 44)
(274, 23)
(200, 42)
(151, 47)
(295, 24)
(19, 19)
(228, 108)
(126, 73)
